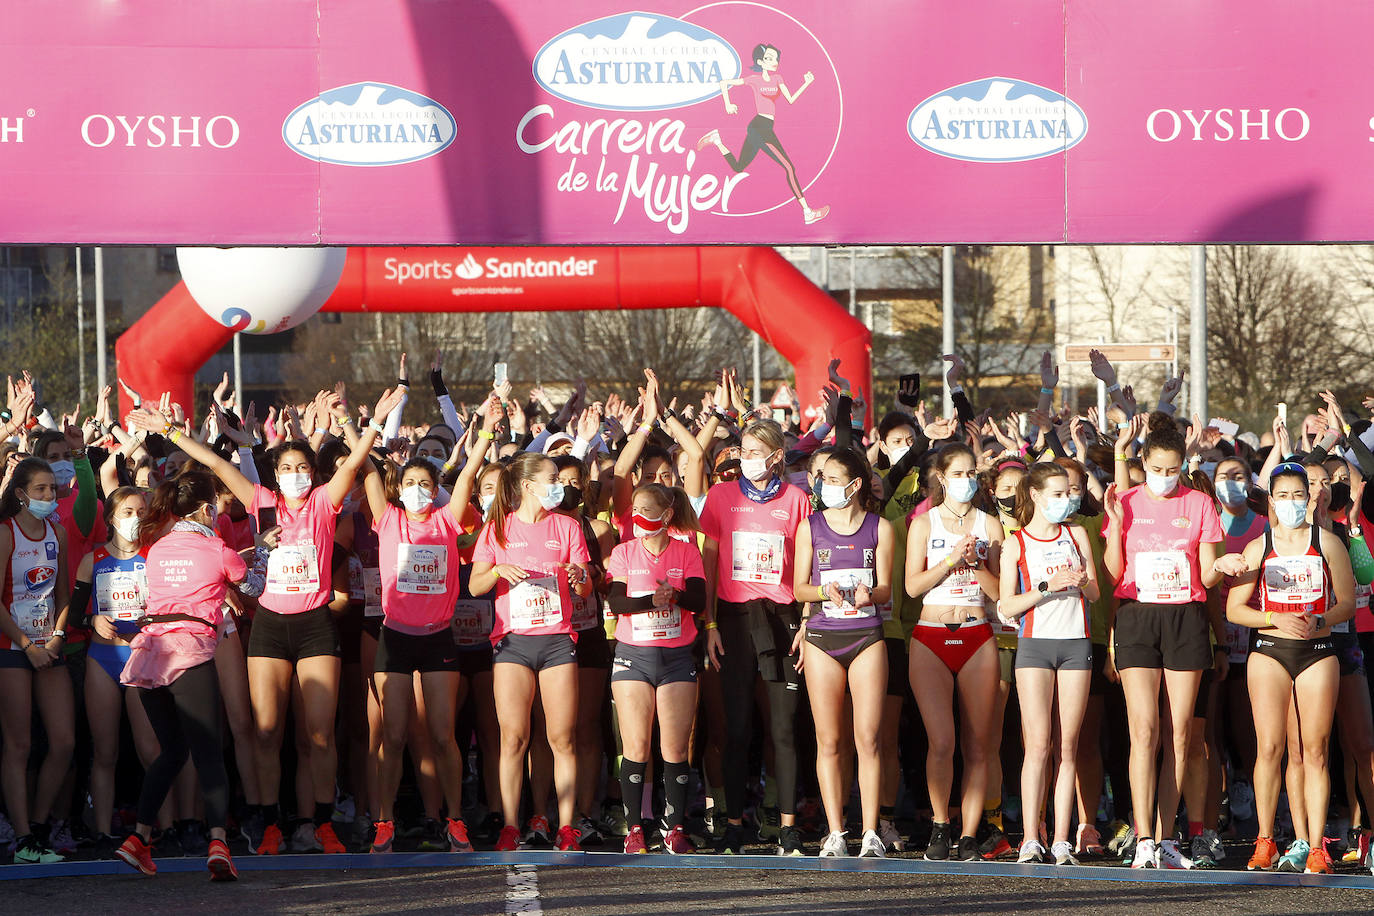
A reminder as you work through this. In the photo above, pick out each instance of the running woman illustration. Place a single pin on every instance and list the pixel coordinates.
(766, 85)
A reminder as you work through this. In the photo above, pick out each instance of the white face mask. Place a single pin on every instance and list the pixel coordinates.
(961, 489)
(127, 528)
(485, 500)
(896, 453)
(416, 498)
(294, 485)
(1161, 484)
(553, 496)
(1291, 512)
(754, 470)
(833, 495)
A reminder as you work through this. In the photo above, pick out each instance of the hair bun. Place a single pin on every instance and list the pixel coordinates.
(1158, 421)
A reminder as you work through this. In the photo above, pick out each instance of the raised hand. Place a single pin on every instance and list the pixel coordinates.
(391, 399)
(1049, 372)
(955, 370)
(1102, 367)
(836, 379)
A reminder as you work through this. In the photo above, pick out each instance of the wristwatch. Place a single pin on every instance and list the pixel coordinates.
(1044, 587)
(59, 634)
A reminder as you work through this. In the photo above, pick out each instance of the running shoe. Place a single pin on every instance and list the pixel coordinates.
(591, 836)
(133, 850)
(887, 832)
(1032, 853)
(937, 850)
(872, 846)
(82, 834)
(1146, 854)
(1266, 855)
(710, 138)
(634, 841)
(770, 823)
(273, 843)
(1201, 854)
(251, 828)
(7, 835)
(384, 836)
(732, 842)
(345, 809)
(1295, 859)
(105, 846)
(1319, 861)
(220, 863)
(490, 827)
(1123, 836)
(567, 839)
(967, 850)
(834, 846)
(1358, 844)
(996, 845)
(60, 838)
(612, 822)
(789, 840)
(1089, 841)
(537, 832)
(194, 841)
(816, 215)
(303, 837)
(677, 843)
(433, 837)
(1171, 857)
(328, 840)
(1242, 799)
(30, 850)
(509, 839)
(457, 833)
(1063, 853)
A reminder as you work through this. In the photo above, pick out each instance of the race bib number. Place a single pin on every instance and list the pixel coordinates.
(372, 592)
(357, 591)
(535, 603)
(1293, 580)
(1163, 577)
(584, 612)
(122, 594)
(472, 622)
(421, 569)
(293, 569)
(848, 582)
(662, 624)
(756, 557)
(34, 617)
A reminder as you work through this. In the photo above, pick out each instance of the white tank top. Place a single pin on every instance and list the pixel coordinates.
(960, 588)
(32, 577)
(1060, 615)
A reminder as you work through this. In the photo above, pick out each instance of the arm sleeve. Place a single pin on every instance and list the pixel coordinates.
(1363, 457)
(393, 422)
(964, 407)
(248, 467)
(844, 429)
(693, 597)
(451, 415)
(909, 462)
(537, 443)
(1052, 442)
(622, 603)
(83, 510)
(80, 603)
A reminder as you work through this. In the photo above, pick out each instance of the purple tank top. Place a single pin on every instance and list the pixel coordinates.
(848, 559)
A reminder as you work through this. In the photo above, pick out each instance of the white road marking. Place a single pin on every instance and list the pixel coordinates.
(522, 890)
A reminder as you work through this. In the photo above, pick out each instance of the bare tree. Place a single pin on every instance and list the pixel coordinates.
(39, 335)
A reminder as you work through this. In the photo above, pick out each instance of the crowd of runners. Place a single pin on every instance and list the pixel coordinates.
(617, 624)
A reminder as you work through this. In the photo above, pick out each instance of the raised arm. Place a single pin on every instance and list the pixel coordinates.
(467, 478)
(342, 481)
(231, 476)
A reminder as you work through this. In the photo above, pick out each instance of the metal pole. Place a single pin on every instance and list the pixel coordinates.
(100, 317)
(80, 333)
(947, 314)
(238, 374)
(1197, 334)
(853, 291)
(757, 358)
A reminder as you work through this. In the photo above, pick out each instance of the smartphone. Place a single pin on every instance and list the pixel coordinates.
(1225, 427)
(909, 390)
(1283, 412)
(267, 519)
(500, 374)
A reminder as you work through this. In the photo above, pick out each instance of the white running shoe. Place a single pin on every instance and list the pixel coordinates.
(1063, 853)
(1171, 857)
(1146, 854)
(818, 214)
(872, 846)
(710, 138)
(834, 845)
(887, 832)
(1032, 853)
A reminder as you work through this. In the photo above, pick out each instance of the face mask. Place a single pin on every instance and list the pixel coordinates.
(127, 528)
(1008, 503)
(960, 489)
(1340, 496)
(753, 469)
(1161, 484)
(646, 526)
(416, 498)
(553, 496)
(1231, 492)
(897, 453)
(1209, 468)
(1075, 503)
(436, 461)
(1058, 508)
(1291, 512)
(63, 471)
(42, 508)
(572, 498)
(294, 485)
(485, 502)
(833, 495)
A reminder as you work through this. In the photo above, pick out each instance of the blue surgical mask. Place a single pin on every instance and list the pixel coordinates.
(485, 501)
(961, 489)
(1075, 503)
(1058, 508)
(833, 495)
(1291, 512)
(64, 472)
(1231, 492)
(553, 497)
(436, 461)
(42, 508)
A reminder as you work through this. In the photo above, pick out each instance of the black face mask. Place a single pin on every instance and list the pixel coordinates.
(1340, 496)
(572, 498)
(1008, 503)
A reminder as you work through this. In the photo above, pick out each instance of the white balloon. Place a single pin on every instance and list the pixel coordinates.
(261, 290)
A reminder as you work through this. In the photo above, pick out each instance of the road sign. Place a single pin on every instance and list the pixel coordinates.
(1122, 353)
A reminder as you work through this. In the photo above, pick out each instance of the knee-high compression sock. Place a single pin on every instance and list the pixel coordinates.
(676, 778)
(632, 789)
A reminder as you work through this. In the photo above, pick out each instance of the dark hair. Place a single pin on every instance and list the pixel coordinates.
(175, 499)
(24, 472)
(650, 452)
(1164, 435)
(855, 464)
(275, 456)
(1088, 506)
(895, 419)
(1040, 473)
(523, 467)
(562, 462)
(44, 439)
(943, 459)
(759, 50)
(393, 476)
(116, 499)
(330, 453)
(674, 498)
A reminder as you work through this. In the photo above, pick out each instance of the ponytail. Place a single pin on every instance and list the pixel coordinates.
(674, 499)
(175, 499)
(1039, 474)
(525, 467)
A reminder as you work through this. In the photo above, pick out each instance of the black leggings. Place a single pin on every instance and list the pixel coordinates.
(185, 718)
(761, 136)
(741, 663)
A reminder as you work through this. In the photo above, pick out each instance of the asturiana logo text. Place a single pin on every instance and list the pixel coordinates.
(999, 119)
(369, 124)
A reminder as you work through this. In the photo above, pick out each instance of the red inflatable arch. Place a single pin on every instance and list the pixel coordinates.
(163, 350)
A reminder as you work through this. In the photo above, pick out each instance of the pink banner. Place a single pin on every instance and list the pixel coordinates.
(497, 122)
